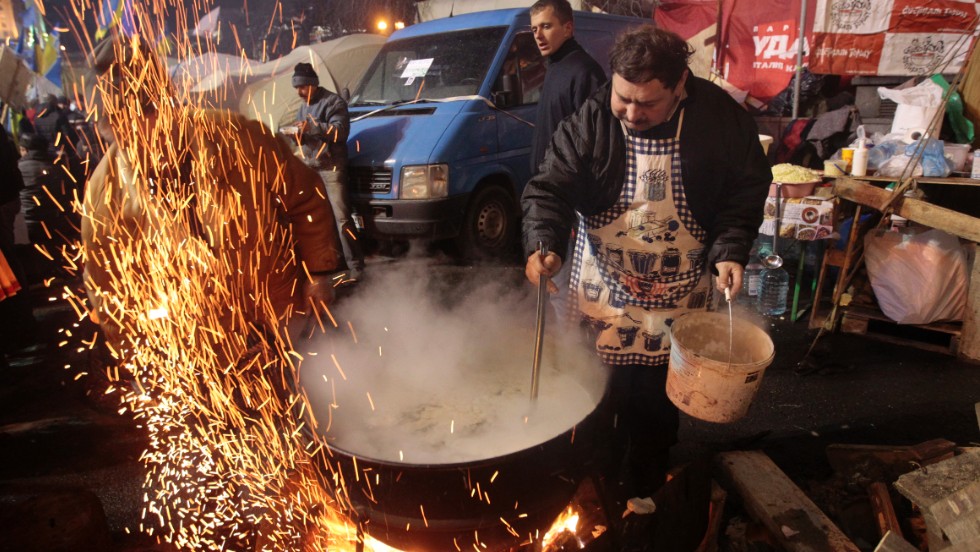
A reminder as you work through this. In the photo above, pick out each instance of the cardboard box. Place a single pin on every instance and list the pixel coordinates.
(804, 218)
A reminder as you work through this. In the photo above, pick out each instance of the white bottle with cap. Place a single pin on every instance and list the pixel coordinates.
(975, 173)
(859, 164)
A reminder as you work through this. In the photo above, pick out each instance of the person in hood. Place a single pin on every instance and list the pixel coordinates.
(662, 176)
(208, 253)
(572, 75)
(323, 125)
(204, 182)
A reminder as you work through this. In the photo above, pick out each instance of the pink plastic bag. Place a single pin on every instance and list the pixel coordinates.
(917, 276)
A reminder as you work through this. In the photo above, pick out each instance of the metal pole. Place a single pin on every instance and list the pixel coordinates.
(799, 60)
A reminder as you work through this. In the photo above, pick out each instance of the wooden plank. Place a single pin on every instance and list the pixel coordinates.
(954, 328)
(916, 210)
(775, 501)
(715, 518)
(852, 321)
(894, 543)
(950, 181)
(881, 503)
(853, 324)
(971, 546)
(958, 514)
(970, 339)
(845, 459)
(927, 486)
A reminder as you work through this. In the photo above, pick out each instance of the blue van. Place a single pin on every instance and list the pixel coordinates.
(441, 127)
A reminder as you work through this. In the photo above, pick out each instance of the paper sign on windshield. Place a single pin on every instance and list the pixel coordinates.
(417, 68)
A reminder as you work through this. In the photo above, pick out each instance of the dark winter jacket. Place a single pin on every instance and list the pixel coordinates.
(40, 174)
(328, 125)
(51, 122)
(11, 181)
(725, 172)
(572, 77)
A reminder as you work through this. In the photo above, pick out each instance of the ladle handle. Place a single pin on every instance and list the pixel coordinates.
(539, 327)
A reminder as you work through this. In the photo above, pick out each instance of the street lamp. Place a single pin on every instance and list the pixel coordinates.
(382, 25)
(399, 25)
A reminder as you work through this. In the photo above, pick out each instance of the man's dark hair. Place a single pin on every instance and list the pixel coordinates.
(563, 10)
(647, 53)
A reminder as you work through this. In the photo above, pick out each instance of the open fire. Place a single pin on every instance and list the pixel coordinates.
(235, 460)
(575, 528)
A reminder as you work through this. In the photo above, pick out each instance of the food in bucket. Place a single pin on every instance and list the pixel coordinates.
(788, 173)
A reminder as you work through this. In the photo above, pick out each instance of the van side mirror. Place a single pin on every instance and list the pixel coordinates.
(503, 99)
(507, 95)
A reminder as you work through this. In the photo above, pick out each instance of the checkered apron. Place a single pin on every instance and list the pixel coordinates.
(640, 264)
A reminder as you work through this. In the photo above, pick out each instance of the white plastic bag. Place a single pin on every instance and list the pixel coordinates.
(917, 105)
(918, 277)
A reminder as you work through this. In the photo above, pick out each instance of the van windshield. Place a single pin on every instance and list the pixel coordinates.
(431, 67)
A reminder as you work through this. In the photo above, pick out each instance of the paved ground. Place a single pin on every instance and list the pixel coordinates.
(54, 433)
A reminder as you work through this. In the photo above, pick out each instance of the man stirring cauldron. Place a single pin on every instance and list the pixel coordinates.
(662, 177)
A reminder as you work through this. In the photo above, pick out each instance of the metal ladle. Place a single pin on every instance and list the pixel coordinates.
(773, 260)
(539, 327)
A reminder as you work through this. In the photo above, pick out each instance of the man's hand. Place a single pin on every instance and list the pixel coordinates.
(537, 267)
(729, 276)
(301, 126)
(318, 291)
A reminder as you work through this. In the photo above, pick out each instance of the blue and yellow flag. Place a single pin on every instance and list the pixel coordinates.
(113, 13)
(47, 54)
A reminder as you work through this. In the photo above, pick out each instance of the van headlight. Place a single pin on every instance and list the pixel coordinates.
(424, 181)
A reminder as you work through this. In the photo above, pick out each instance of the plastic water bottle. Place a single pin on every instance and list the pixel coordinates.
(975, 172)
(750, 279)
(773, 291)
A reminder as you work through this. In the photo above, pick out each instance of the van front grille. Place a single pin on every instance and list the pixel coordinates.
(371, 180)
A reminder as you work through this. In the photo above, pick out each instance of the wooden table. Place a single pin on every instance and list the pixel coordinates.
(868, 192)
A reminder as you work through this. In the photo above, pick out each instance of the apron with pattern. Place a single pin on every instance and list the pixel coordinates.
(640, 264)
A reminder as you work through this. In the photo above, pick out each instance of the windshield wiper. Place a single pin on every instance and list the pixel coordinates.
(392, 105)
(367, 102)
(419, 100)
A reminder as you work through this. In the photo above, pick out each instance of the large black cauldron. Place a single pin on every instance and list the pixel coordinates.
(497, 502)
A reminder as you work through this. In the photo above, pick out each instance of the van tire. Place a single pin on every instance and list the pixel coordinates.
(490, 226)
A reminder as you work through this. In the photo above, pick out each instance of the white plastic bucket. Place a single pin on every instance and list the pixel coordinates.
(700, 380)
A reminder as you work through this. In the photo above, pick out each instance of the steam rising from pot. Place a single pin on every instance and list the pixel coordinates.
(438, 371)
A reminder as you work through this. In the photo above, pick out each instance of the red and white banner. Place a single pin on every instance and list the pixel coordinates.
(757, 43)
(892, 37)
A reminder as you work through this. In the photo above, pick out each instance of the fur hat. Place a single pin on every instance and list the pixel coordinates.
(304, 75)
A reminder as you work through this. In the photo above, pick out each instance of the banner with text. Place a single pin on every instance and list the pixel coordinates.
(892, 37)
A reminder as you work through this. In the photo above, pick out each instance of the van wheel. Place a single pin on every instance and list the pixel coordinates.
(490, 226)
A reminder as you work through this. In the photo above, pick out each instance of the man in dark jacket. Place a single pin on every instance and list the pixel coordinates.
(322, 128)
(47, 203)
(52, 123)
(572, 74)
(664, 178)
(11, 183)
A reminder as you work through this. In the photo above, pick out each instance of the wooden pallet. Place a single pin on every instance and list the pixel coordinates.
(941, 337)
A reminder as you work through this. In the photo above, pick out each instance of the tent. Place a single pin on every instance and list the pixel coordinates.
(268, 95)
(207, 71)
